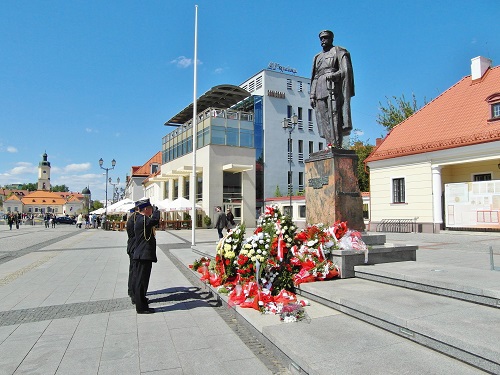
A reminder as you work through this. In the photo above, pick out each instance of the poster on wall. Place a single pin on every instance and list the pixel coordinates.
(472, 205)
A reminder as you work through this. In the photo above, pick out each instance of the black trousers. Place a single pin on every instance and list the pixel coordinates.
(131, 277)
(142, 272)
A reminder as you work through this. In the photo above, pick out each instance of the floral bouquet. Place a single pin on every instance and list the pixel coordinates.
(293, 312)
(228, 249)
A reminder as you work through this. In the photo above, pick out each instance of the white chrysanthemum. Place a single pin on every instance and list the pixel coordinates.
(259, 251)
(264, 253)
(253, 259)
(311, 243)
(267, 246)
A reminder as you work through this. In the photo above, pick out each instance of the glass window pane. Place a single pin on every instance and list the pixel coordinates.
(218, 135)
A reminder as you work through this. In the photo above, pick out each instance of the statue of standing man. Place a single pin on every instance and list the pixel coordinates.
(332, 86)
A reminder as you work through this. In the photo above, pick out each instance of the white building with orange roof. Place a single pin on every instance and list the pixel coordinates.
(43, 200)
(135, 189)
(439, 169)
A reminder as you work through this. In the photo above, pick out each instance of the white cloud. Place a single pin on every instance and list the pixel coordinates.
(23, 168)
(358, 132)
(219, 70)
(184, 62)
(11, 149)
(76, 167)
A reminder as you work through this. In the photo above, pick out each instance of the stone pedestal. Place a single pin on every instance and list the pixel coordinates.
(332, 191)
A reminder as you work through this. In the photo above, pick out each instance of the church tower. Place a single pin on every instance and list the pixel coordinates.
(44, 174)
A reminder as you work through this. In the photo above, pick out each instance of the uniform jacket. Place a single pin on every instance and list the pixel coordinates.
(131, 233)
(145, 240)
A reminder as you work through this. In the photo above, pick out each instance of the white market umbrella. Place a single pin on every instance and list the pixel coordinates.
(164, 205)
(113, 208)
(182, 204)
(124, 208)
(99, 211)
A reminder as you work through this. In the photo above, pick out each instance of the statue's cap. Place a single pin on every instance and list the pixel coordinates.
(326, 32)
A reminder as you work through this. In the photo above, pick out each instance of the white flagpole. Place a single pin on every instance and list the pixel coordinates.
(194, 179)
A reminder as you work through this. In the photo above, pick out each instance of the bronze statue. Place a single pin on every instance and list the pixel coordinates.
(332, 86)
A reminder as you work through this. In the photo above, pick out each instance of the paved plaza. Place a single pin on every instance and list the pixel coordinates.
(64, 307)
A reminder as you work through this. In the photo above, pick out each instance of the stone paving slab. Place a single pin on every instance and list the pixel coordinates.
(332, 342)
(474, 281)
(72, 315)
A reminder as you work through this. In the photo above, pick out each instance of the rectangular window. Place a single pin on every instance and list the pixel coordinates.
(301, 150)
(299, 86)
(308, 88)
(495, 110)
(310, 126)
(398, 190)
(299, 118)
(320, 146)
(251, 86)
(301, 181)
(482, 177)
(311, 147)
(302, 211)
(289, 111)
(258, 83)
(288, 84)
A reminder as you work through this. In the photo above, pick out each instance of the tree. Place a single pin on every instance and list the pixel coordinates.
(397, 112)
(362, 150)
(277, 192)
(60, 188)
(29, 187)
(95, 205)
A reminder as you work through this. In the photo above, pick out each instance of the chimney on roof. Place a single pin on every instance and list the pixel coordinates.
(479, 65)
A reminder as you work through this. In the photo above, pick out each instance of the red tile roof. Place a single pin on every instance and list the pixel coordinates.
(145, 169)
(41, 197)
(461, 116)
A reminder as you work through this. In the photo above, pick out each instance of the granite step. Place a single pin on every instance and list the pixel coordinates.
(331, 342)
(473, 285)
(463, 330)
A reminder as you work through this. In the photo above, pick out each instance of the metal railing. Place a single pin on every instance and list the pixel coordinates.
(397, 226)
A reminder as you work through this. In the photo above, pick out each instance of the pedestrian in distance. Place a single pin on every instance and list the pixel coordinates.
(230, 220)
(221, 221)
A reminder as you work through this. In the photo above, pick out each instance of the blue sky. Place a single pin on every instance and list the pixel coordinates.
(84, 80)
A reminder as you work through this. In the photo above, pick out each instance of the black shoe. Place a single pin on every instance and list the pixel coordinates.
(133, 302)
(147, 311)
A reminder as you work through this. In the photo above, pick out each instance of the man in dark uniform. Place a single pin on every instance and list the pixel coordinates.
(130, 251)
(144, 252)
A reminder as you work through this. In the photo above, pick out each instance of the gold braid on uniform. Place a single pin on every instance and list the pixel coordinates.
(150, 234)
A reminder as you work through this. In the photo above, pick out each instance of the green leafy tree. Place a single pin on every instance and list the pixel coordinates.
(362, 150)
(60, 188)
(277, 192)
(95, 205)
(29, 187)
(396, 112)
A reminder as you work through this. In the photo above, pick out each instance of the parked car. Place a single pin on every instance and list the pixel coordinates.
(65, 220)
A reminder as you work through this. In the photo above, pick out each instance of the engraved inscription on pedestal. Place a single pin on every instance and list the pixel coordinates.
(332, 192)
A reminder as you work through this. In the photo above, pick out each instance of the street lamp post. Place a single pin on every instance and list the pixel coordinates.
(290, 124)
(115, 188)
(113, 163)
